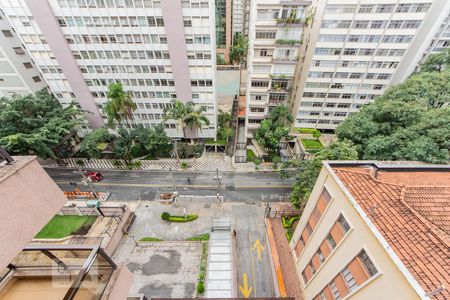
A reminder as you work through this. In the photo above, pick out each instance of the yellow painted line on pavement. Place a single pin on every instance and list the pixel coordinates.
(245, 289)
(259, 249)
(180, 185)
(251, 257)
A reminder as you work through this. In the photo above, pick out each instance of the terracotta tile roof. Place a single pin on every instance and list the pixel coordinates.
(414, 220)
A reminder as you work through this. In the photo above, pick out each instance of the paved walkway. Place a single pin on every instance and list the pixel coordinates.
(200, 164)
(288, 271)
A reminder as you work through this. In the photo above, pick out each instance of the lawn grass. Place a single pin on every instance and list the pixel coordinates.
(150, 239)
(250, 155)
(200, 237)
(62, 226)
(312, 144)
(306, 130)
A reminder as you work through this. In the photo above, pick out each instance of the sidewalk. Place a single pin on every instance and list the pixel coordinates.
(286, 274)
(196, 165)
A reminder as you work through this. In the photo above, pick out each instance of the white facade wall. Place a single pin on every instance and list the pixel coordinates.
(274, 48)
(356, 50)
(127, 41)
(18, 73)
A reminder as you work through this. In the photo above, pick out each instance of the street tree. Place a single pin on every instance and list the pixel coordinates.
(196, 118)
(95, 142)
(123, 144)
(269, 136)
(224, 125)
(178, 111)
(307, 171)
(36, 124)
(437, 62)
(239, 48)
(281, 116)
(120, 106)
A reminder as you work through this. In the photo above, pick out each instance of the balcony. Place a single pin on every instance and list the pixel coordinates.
(285, 42)
(57, 272)
(282, 58)
(289, 21)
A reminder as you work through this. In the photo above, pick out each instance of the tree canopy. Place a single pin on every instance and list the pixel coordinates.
(410, 121)
(120, 106)
(308, 170)
(239, 48)
(36, 124)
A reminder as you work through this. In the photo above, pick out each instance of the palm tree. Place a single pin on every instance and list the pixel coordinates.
(281, 116)
(120, 106)
(178, 111)
(195, 118)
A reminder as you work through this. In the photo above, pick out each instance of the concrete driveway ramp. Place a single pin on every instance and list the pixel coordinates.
(219, 277)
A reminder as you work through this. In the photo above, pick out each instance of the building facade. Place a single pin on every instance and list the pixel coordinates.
(356, 50)
(240, 16)
(158, 50)
(375, 230)
(275, 39)
(18, 73)
(223, 30)
(47, 271)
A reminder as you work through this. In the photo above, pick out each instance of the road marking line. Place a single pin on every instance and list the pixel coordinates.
(253, 265)
(180, 185)
(259, 249)
(245, 290)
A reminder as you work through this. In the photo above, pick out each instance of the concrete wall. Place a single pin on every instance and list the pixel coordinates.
(118, 234)
(29, 198)
(119, 285)
(227, 86)
(389, 283)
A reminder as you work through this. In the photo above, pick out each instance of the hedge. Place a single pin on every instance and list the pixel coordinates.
(150, 239)
(307, 130)
(288, 222)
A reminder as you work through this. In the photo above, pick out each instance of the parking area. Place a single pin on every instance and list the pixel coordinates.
(165, 269)
(252, 262)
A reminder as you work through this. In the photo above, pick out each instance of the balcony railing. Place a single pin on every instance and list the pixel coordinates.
(288, 42)
(285, 58)
(289, 20)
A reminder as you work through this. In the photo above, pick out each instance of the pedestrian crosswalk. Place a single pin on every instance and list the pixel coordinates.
(199, 165)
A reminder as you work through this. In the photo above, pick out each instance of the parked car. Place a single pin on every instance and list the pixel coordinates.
(94, 176)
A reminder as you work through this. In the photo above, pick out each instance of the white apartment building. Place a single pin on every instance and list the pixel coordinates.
(441, 40)
(240, 16)
(158, 50)
(275, 39)
(18, 73)
(356, 50)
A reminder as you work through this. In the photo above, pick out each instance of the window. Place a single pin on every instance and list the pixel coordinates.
(384, 8)
(260, 83)
(264, 35)
(349, 280)
(331, 241)
(320, 255)
(36, 79)
(309, 229)
(27, 65)
(7, 33)
(368, 264)
(19, 50)
(343, 223)
(335, 291)
(366, 8)
(257, 109)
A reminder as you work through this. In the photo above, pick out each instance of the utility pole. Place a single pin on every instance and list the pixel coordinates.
(218, 185)
(175, 147)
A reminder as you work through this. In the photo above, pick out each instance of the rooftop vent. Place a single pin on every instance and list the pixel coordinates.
(4, 156)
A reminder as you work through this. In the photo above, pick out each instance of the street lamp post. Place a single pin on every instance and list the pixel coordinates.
(87, 182)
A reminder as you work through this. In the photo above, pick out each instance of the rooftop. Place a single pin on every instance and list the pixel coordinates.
(409, 204)
(19, 162)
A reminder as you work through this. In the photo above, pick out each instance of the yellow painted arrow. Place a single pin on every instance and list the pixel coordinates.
(259, 249)
(245, 290)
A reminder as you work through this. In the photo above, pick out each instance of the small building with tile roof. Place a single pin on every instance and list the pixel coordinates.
(376, 230)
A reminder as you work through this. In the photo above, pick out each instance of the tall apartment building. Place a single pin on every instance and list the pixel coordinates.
(18, 73)
(240, 16)
(440, 41)
(375, 230)
(223, 29)
(356, 50)
(158, 50)
(275, 36)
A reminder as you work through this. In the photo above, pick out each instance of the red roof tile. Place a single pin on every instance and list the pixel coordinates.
(414, 220)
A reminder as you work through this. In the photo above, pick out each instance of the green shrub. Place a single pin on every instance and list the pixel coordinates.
(134, 165)
(288, 222)
(165, 216)
(257, 161)
(182, 219)
(184, 165)
(317, 134)
(251, 156)
(150, 239)
(117, 163)
(200, 237)
(289, 233)
(79, 162)
(200, 287)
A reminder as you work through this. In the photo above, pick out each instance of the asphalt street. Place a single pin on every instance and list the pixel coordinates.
(145, 185)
